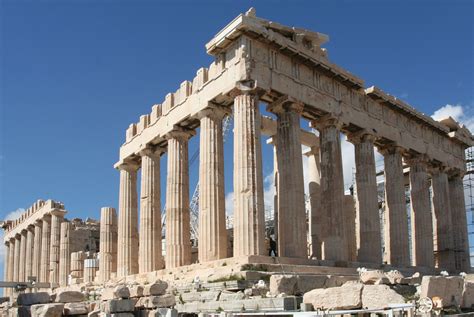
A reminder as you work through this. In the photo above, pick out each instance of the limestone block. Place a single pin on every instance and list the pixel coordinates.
(468, 295)
(22, 311)
(373, 277)
(200, 296)
(136, 291)
(380, 296)
(75, 309)
(27, 299)
(95, 313)
(347, 296)
(121, 291)
(280, 283)
(227, 296)
(118, 305)
(47, 310)
(157, 288)
(165, 312)
(395, 277)
(69, 297)
(336, 281)
(166, 300)
(306, 283)
(448, 289)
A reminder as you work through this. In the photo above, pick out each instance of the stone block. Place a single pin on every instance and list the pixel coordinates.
(95, 313)
(395, 277)
(200, 296)
(468, 295)
(75, 308)
(118, 305)
(306, 283)
(121, 291)
(448, 289)
(380, 296)
(347, 296)
(157, 288)
(28, 299)
(160, 301)
(69, 297)
(159, 312)
(47, 310)
(339, 280)
(281, 283)
(374, 277)
(136, 291)
(227, 296)
(22, 311)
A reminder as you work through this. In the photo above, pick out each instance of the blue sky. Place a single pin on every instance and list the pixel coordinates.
(75, 74)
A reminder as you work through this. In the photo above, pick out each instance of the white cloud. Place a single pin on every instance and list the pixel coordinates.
(10, 216)
(458, 113)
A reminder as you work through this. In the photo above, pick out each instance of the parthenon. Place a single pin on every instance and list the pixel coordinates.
(285, 69)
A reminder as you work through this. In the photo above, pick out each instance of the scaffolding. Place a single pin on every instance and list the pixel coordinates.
(469, 197)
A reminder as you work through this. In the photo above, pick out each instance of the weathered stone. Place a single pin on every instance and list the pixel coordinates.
(305, 283)
(373, 277)
(337, 280)
(47, 310)
(380, 296)
(226, 296)
(118, 305)
(395, 277)
(136, 291)
(200, 296)
(157, 288)
(22, 311)
(27, 299)
(468, 295)
(448, 289)
(75, 309)
(95, 313)
(121, 291)
(166, 300)
(69, 297)
(347, 296)
(280, 283)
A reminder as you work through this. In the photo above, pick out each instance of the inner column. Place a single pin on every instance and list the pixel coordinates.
(65, 253)
(396, 219)
(150, 212)
(292, 240)
(45, 249)
(314, 191)
(37, 249)
(127, 252)
(22, 262)
(57, 217)
(178, 236)
(30, 236)
(249, 218)
(16, 258)
(212, 229)
(421, 220)
(333, 244)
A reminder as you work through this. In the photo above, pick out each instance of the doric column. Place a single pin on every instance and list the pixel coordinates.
(37, 249)
(212, 230)
(6, 267)
(459, 222)
(396, 218)
(314, 192)
(77, 259)
(369, 237)
(421, 220)
(108, 243)
(30, 236)
(45, 249)
(65, 253)
(350, 227)
(443, 233)
(334, 246)
(57, 217)
(11, 261)
(16, 265)
(178, 238)
(249, 217)
(22, 262)
(150, 212)
(292, 241)
(127, 251)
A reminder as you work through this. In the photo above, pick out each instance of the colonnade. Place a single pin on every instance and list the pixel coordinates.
(444, 207)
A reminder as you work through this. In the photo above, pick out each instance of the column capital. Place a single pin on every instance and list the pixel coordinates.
(38, 222)
(46, 217)
(180, 133)
(153, 151)
(454, 172)
(284, 104)
(7, 243)
(12, 240)
(435, 168)
(31, 228)
(391, 148)
(18, 236)
(129, 166)
(361, 136)
(245, 87)
(414, 159)
(325, 121)
(214, 112)
(57, 212)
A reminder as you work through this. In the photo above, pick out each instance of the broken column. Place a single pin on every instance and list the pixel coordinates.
(369, 237)
(292, 240)
(45, 249)
(443, 232)
(333, 245)
(396, 219)
(249, 220)
(212, 228)
(37, 249)
(421, 220)
(314, 192)
(65, 253)
(90, 269)
(77, 266)
(459, 221)
(150, 212)
(178, 244)
(57, 217)
(108, 244)
(127, 251)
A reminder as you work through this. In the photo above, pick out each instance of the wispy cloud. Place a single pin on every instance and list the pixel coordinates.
(464, 115)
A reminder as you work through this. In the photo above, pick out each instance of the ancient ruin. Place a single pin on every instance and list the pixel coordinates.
(262, 62)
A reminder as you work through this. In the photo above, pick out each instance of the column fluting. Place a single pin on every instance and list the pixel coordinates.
(45, 249)
(57, 217)
(22, 262)
(108, 243)
(37, 245)
(65, 253)
(30, 236)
